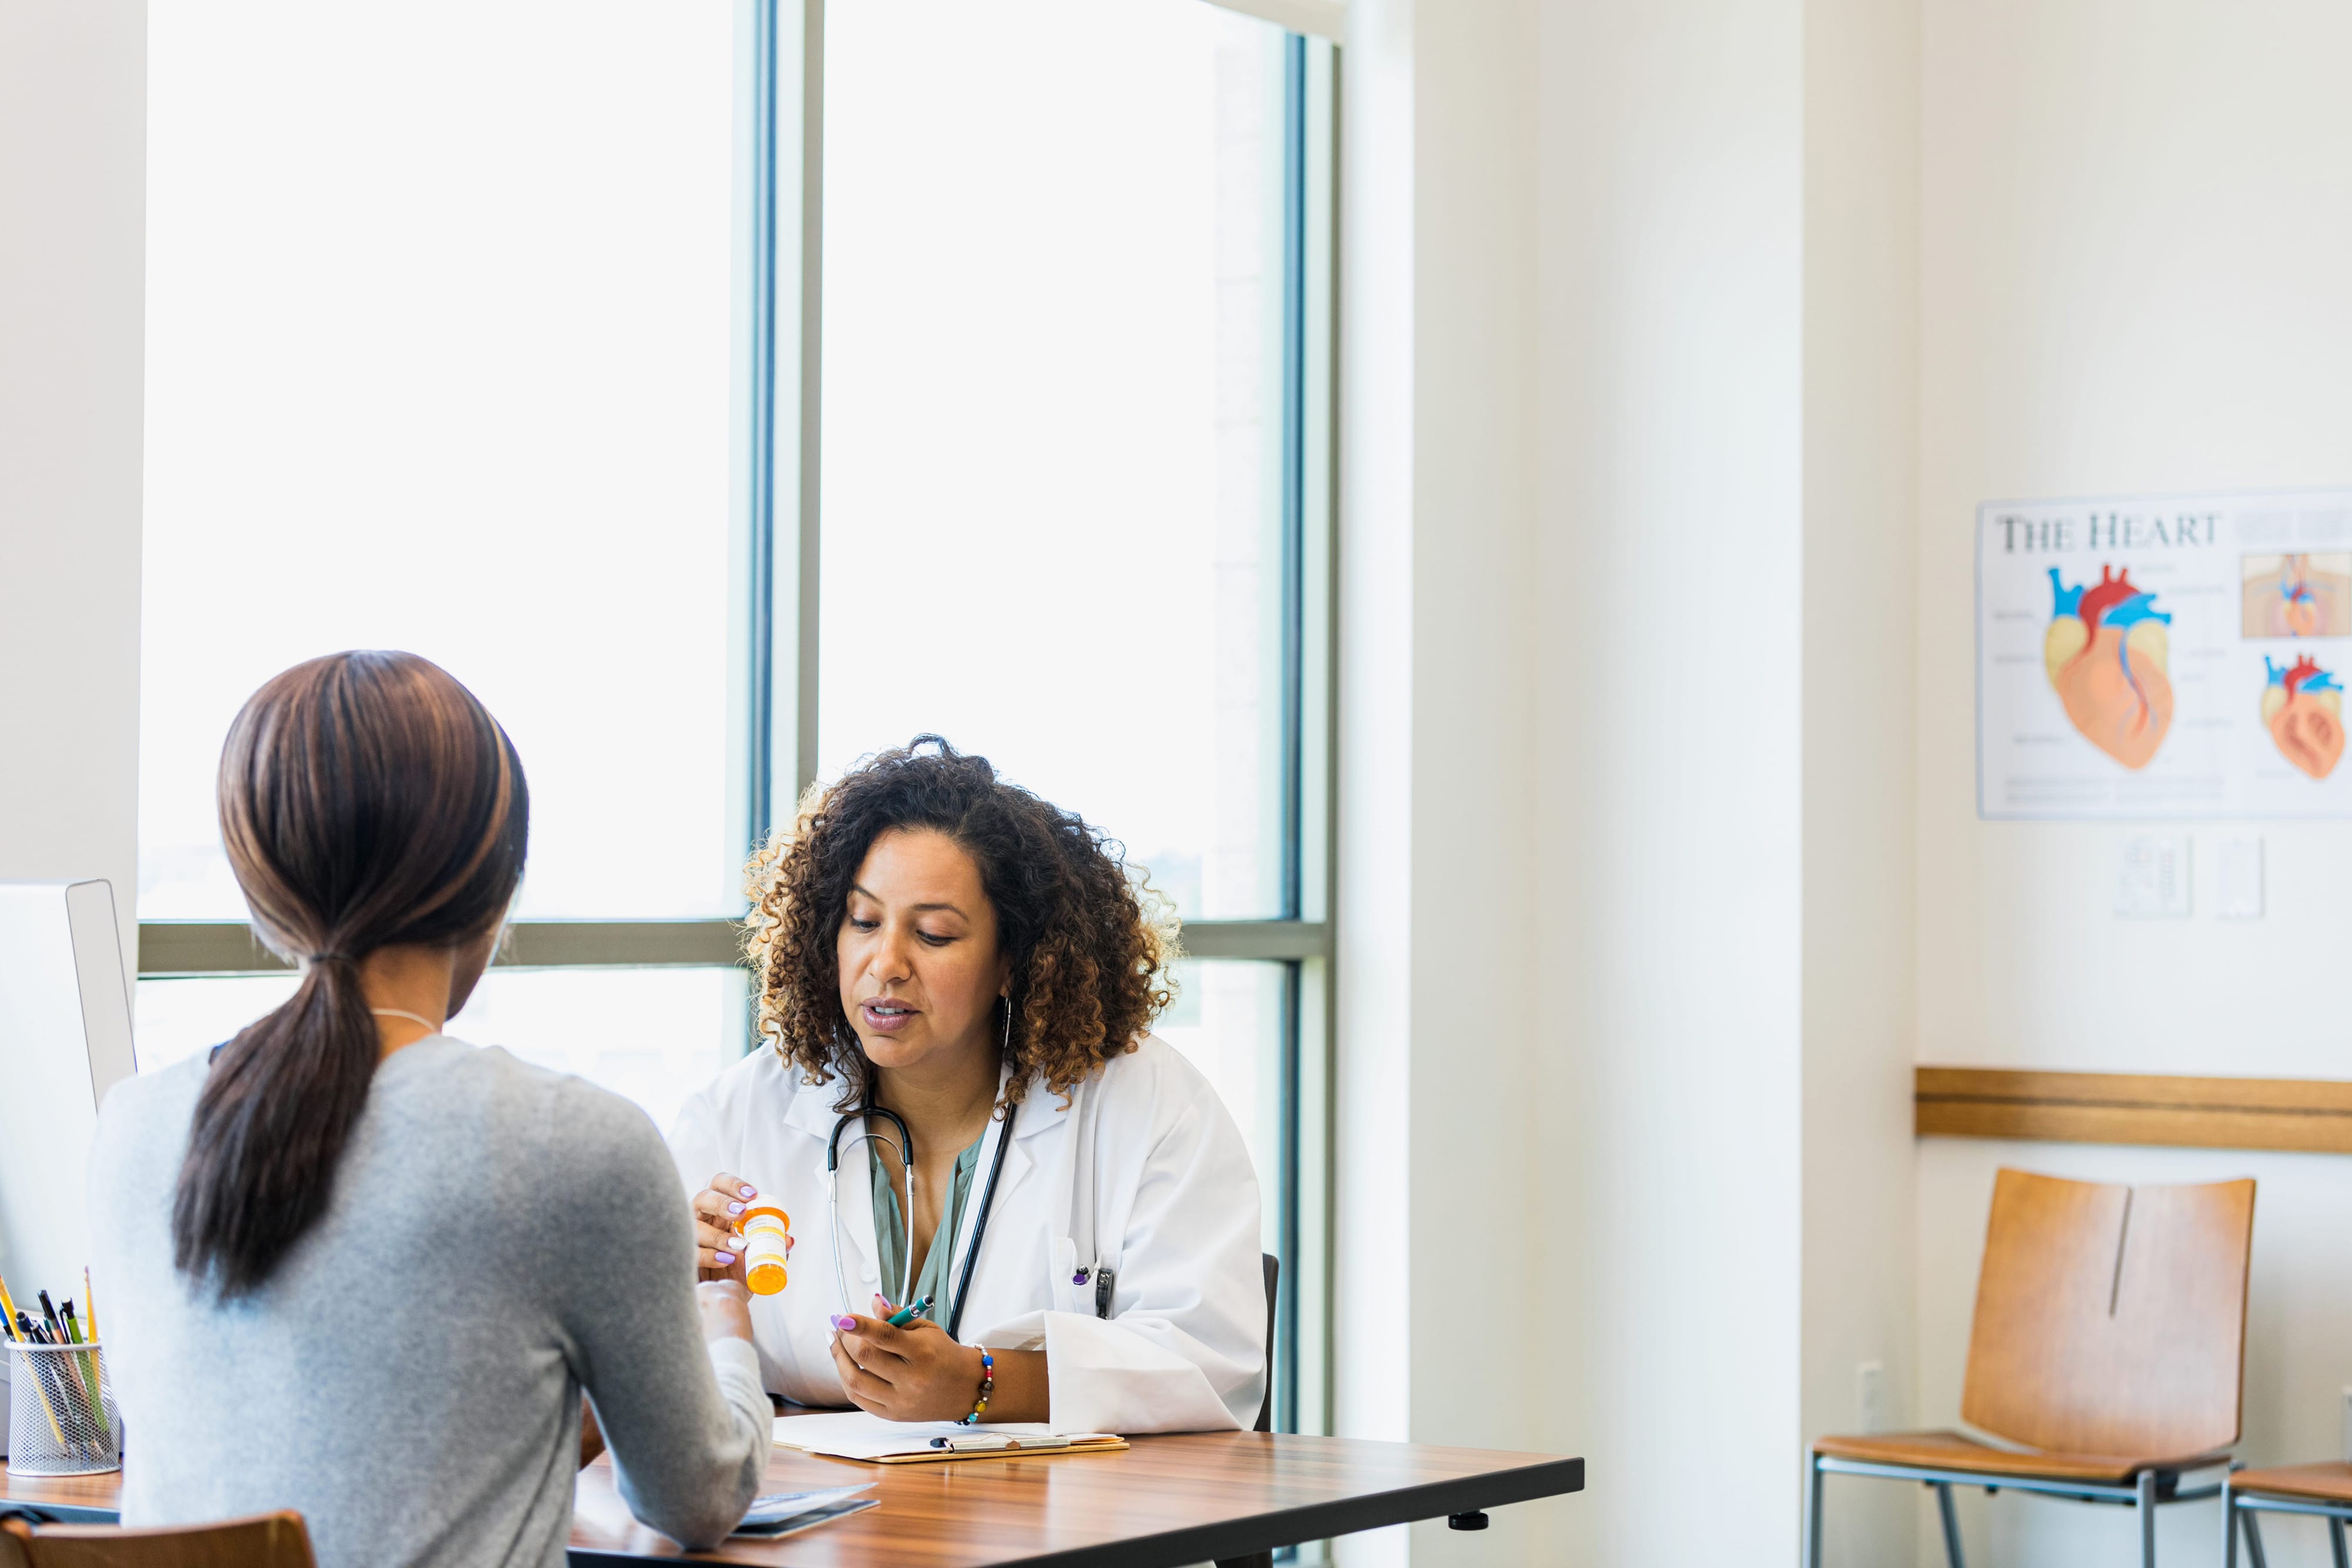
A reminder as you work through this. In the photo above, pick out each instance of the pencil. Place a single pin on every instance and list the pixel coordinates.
(40, 1392)
(88, 1362)
(89, 1315)
(59, 1377)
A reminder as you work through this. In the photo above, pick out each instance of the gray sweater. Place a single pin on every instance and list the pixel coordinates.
(500, 1237)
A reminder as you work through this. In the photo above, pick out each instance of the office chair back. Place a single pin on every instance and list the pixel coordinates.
(2110, 1319)
(266, 1540)
(1271, 1267)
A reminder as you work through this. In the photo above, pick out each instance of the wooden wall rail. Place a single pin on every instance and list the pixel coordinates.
(2306, 1114)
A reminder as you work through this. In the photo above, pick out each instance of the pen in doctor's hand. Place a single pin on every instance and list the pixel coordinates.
(909, 1313)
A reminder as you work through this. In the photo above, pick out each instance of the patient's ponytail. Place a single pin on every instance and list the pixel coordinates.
(367, 800)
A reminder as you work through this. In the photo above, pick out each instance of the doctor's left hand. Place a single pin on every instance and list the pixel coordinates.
(911, 1374)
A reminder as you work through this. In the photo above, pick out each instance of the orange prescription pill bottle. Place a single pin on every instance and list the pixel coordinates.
(767, 1245)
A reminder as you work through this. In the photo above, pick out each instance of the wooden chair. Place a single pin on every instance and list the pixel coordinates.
(265, 1541)
(2109, 1346)
(2324, 1491)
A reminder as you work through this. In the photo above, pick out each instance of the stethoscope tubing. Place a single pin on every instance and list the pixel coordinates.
(980, 1221)
(907, 1162)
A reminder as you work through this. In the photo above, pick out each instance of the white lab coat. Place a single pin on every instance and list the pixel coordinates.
(1143, 1172)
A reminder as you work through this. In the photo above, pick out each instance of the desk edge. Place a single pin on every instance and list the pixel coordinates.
(1291, 1526)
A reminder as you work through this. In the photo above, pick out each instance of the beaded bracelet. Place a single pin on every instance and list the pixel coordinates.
(987, 1386)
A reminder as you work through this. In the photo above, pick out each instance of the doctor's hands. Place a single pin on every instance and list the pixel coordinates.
(717, 1210)
(911, 1373)
(919, 1374)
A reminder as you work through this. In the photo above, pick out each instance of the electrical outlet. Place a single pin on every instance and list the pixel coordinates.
(1870, 1396)
(2241, 879)
(2152, 877)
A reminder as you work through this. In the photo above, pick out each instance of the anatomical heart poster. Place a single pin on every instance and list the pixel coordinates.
(2164, 656)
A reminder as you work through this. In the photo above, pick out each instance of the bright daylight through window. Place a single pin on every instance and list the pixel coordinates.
(471, 365)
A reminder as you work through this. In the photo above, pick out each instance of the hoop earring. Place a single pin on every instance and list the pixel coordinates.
(1007, 1047)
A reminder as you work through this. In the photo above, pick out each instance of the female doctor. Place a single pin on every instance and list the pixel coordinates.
(947, 961)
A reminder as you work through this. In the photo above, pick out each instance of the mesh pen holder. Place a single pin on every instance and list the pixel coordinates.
(61, 1415)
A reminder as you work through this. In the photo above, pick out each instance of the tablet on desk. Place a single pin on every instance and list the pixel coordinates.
(789, 1512)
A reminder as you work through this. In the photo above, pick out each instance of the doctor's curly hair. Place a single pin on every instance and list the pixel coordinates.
(1088, 946)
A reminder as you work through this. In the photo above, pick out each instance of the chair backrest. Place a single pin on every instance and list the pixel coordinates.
(2110, 1319)
(265, 1541)
(1271, 1267)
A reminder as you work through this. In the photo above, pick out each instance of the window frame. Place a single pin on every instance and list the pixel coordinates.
(779, 451)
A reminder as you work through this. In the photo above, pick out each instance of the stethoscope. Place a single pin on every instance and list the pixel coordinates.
(906, 1163)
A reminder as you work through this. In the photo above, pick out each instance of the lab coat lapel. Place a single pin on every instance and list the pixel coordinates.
(812, 1113)
(1016, 1167)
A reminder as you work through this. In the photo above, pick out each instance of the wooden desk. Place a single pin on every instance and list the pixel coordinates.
(1164, 1503)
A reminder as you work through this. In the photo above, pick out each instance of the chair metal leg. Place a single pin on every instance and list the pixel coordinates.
(2254, 1538)
(2228, 1525)
(2336, 1539)
(2146, 1508)
(1952, 1556)
(1813, 1513)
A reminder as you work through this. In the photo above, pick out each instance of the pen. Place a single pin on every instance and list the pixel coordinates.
(15, 1323)
(89, 1363)
(909, 1313)
(27, 1333)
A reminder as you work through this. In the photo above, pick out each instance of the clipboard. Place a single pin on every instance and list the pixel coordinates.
(1093, 1443)
(861, 1439)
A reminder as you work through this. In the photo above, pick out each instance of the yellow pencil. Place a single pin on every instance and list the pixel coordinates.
(8, 1305)
(89, 1312)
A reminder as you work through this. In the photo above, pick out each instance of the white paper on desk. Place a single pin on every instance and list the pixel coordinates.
(856, 1435)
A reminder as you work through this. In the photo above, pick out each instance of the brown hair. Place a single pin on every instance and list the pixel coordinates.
(367, 799)
(1088, 960)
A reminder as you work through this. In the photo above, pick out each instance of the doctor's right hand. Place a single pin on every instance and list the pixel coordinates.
(717, 1210)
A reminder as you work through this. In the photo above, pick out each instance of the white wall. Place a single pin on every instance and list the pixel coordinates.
(1435, 1128)
(73, 121)
(2136, 223)
(1669, 560)
(1624, 590)
(1861, 448)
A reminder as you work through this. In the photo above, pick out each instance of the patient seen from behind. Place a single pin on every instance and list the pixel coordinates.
(357, 1267)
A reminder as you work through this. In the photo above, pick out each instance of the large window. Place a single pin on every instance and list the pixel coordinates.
(440, 330)
(727, 393)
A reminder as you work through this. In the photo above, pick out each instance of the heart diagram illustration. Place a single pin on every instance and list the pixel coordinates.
(2296, 612)
(2304, 708)
(2106, 650)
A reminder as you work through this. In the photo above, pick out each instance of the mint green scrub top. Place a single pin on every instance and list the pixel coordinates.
(890, 1229)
